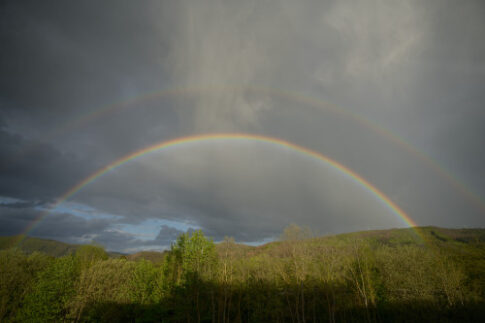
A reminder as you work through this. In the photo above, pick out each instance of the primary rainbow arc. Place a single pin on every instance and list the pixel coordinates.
(228, 136)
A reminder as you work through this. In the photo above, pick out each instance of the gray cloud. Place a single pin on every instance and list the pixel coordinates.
(63, 226)
(414, 68)
(35, 170)
(75, 229)
(167, 235)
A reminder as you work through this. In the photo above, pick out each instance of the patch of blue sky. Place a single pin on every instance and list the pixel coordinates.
(81, 210)
(9, 200)
(145, 248)
(259, 242)
(145, 230)
(149, 229)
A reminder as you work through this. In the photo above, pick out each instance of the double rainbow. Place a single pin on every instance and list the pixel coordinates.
(110, 108)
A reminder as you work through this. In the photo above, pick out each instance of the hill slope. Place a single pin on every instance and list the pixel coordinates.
(30, 245)
(452, 240)
(52, 248)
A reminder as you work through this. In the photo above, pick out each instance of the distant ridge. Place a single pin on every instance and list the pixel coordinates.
(30, 244)
(49, 247)
(435, 235)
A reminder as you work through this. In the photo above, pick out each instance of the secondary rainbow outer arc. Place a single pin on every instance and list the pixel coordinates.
(206, 137)
(441, 171)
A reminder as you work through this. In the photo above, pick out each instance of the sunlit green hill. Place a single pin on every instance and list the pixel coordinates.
(465, 242)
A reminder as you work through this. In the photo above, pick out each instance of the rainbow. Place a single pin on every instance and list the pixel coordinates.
(228, 136)
(296, 97)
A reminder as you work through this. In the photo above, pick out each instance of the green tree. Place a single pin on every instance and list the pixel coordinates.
(52, 291)
(14, 279)
(107, 281)
(360, 273)
(89, 254)
(146, 283)
(192, 259)
(194, 254)
(296, 267)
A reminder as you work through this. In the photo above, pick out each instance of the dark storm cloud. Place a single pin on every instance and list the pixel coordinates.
(22, 204)
(63, 226)
(65, 55)
(117, 240)
(35, 171)
(415, 68)
(74, 229)
(62, 61)
(167, 235)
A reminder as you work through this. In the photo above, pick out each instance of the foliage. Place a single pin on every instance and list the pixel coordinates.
(194, 254)
(89, 254)
(392, 275)
(17, 272)
(51, 292)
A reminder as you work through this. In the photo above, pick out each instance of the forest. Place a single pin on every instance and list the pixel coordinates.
(398, 275)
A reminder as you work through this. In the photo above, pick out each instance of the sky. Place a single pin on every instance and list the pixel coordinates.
(392, 90)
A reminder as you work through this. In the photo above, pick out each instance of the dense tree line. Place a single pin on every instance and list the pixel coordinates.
(396, 277)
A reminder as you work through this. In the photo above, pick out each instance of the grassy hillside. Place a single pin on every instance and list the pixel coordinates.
(420, 274)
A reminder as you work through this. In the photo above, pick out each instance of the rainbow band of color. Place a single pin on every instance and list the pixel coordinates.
(230, 136)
